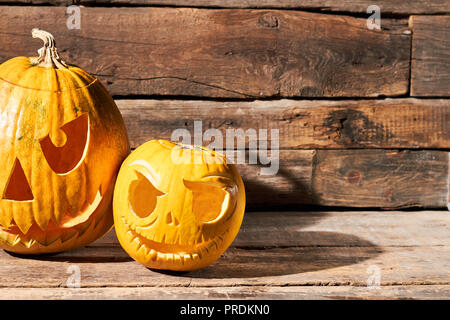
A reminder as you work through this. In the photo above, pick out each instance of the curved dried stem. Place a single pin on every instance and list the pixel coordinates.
(48, 54)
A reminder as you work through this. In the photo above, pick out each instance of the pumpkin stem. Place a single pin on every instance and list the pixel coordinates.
(48, 54)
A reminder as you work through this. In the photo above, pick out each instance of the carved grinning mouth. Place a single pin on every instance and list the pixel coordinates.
(161, 251)
(69, 221)
(69, 227)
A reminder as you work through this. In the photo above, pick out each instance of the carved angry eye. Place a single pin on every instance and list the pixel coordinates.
(66, 158)
(211, 198)
(143, 196)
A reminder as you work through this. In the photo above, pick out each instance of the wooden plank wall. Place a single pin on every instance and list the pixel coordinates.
(363, 115)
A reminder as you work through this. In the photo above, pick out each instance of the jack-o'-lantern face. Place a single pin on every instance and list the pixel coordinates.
(177, 214)
(62, 140)
(60, 159)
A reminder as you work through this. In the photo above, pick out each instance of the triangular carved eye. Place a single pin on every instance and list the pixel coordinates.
(210, 201)
(66, 158)
(143, 196)
(18, 188)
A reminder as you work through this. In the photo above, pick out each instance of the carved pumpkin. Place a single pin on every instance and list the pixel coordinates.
(62, 140)
(177, 207)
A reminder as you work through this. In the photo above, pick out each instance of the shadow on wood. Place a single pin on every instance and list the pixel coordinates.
(251, 262)
(66, 257)
(263, 195)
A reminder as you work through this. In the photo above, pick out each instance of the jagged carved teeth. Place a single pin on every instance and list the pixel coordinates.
(142, 248)
(65, 234)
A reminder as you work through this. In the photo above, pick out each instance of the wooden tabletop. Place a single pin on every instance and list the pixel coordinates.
(277, 255)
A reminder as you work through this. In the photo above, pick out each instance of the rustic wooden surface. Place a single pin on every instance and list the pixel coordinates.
(380, 178)
(282, 255)
(392, 292)
(354, 178)
(430, 56)
(229, 53)
(355, 6)
(388, 123)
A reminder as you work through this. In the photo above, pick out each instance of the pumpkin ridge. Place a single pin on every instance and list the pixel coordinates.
(7, 214)
(24, 218)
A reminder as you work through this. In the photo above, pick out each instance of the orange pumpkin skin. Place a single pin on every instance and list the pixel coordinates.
(177, 207)
(61, 144)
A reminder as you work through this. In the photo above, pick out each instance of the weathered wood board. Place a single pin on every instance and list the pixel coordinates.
(380, 179)
(291, 187)
(349, 178)
(354, 178)
(389, 123)
(229, 53)
(396, 292)
(321, 228)
(303, 251)
(283, 229)
(430, 69)
(355, 6)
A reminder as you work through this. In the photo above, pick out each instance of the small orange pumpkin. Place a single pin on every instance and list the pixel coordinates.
(62, 140)
(177, 207)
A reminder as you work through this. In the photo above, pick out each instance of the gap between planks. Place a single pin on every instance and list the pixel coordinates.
(388, 8)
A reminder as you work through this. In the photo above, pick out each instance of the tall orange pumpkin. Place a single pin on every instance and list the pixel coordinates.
(62, 140)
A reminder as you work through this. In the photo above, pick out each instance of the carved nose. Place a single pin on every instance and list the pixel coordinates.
(171, 219)
(18, 188)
